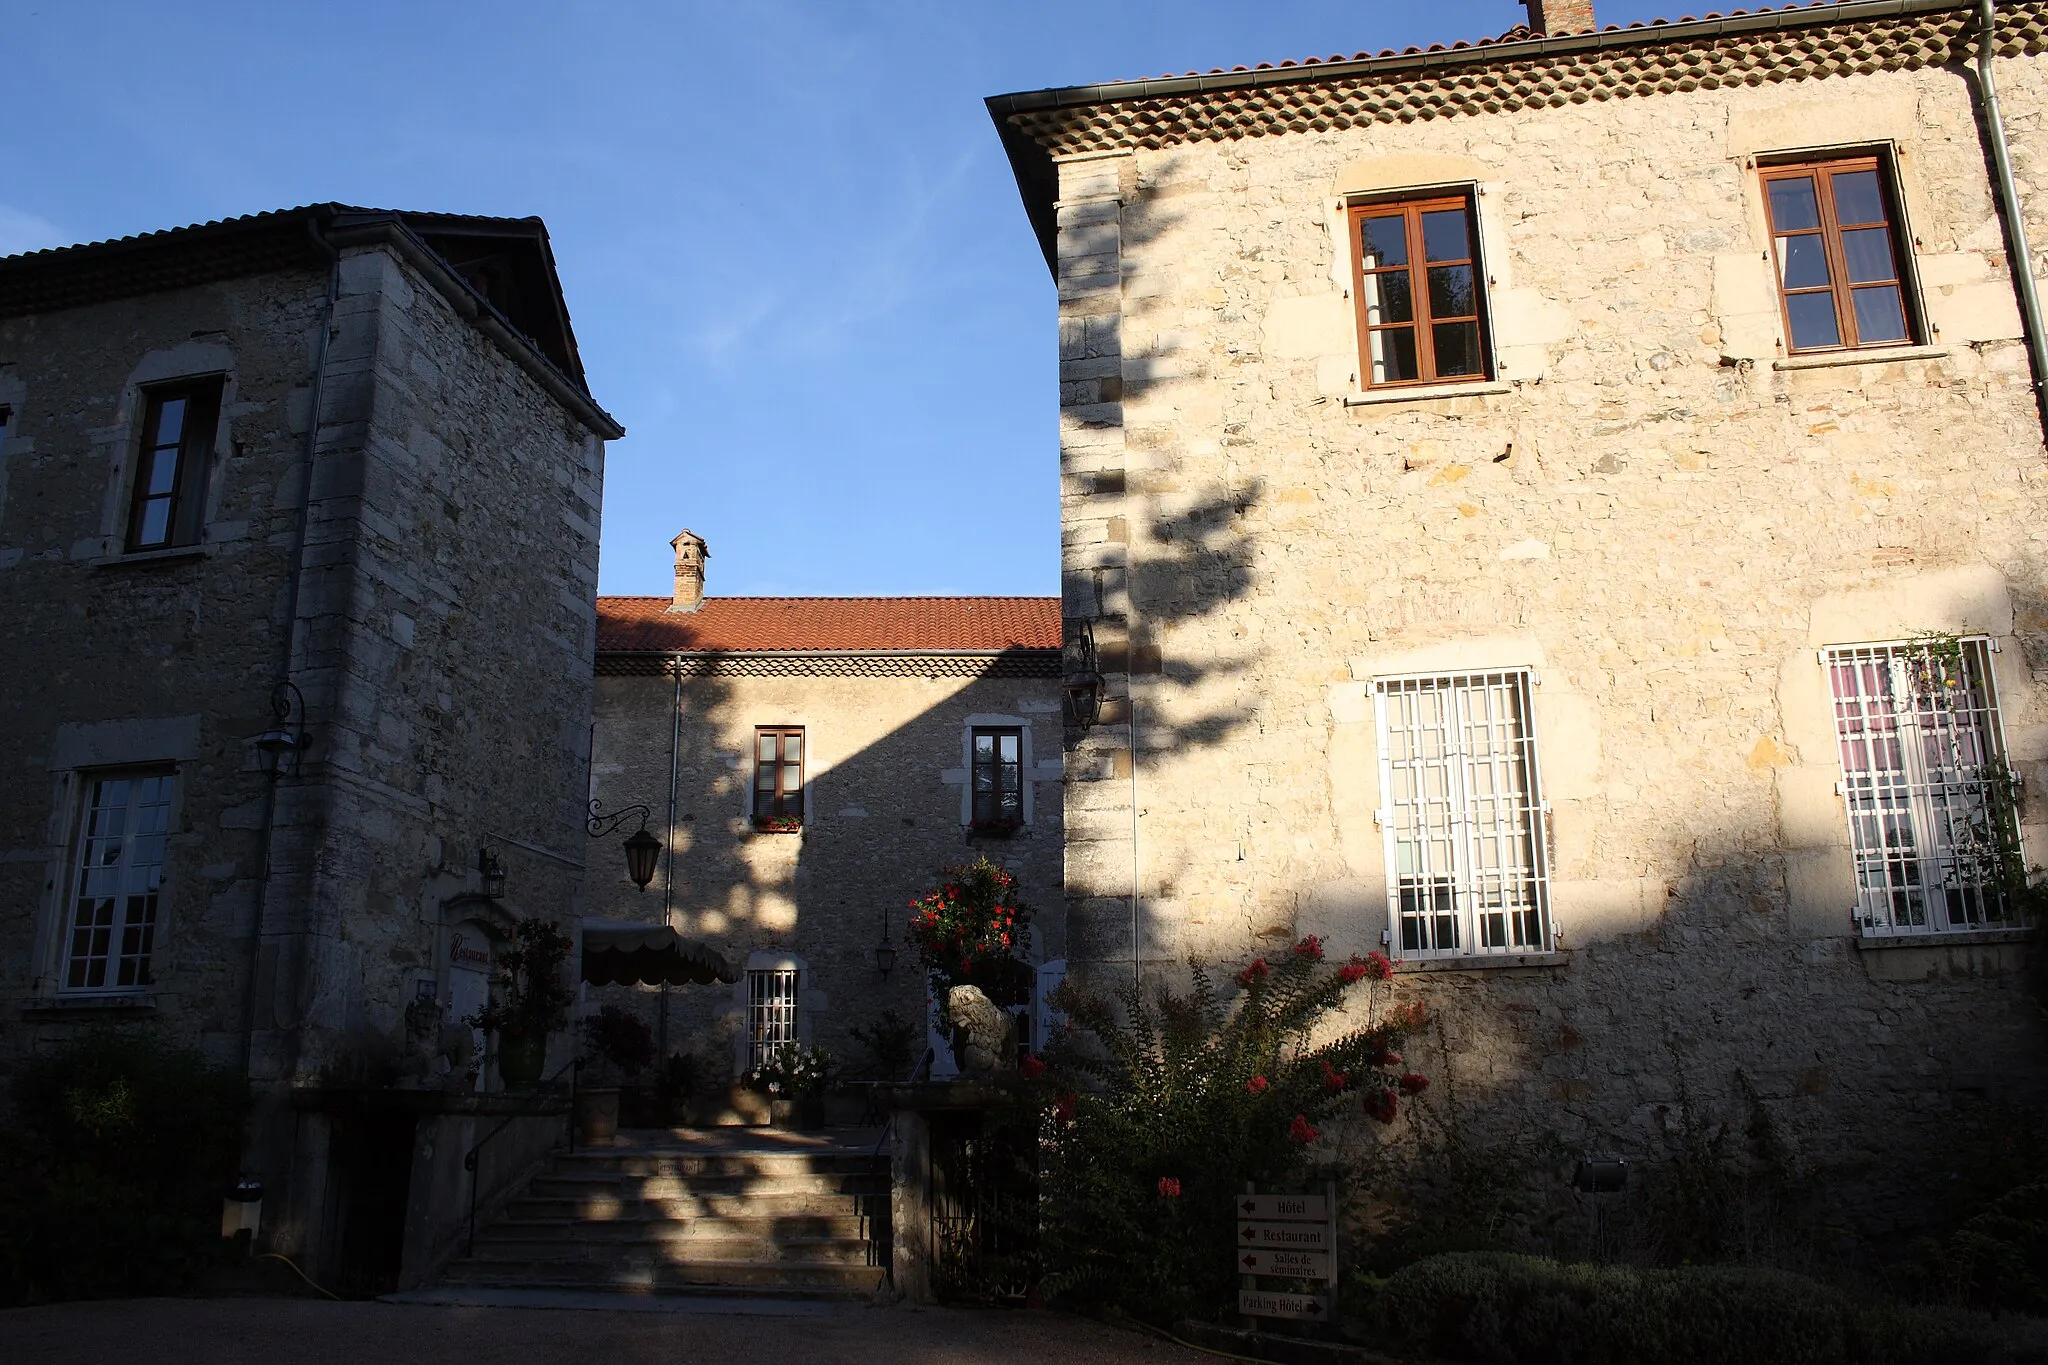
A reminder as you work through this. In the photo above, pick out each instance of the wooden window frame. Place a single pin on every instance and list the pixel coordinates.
(113, 952)
(1822, 170)
(185, 515)
(993, 823)
(784, 806)
(1423, 322)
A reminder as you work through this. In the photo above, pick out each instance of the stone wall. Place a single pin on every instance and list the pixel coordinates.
(885, 784)
(1652, 508)
(440, 629)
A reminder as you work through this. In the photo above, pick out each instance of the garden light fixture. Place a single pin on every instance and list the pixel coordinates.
(241, 1209)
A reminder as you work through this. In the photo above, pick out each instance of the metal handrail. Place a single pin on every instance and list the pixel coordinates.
(469, 1159)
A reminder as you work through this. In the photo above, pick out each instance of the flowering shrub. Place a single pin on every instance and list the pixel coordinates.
(792, 1073)
(971, 930)
(779, 824)
(531, 1001)
(1204, 1093)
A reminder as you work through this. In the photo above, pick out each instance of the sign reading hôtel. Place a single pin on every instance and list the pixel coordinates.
(1287, 1236)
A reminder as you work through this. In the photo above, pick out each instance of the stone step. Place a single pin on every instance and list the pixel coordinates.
(578, 1185)
(609, 1206)
(518, 1224)
(787, 1278)
(659, 1251)
(751, 1166)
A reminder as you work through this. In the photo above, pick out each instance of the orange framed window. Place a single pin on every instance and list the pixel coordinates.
(1420, 292)
(1840, 254)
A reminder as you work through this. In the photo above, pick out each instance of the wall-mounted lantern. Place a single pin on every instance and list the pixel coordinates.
(1081, 674)
(643, 850)
(885, 951)
(490, 872)
(283, 743)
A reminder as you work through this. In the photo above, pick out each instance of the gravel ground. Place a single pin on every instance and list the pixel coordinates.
(303, 1332)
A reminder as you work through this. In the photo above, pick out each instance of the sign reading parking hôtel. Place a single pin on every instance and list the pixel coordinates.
(1286, 1235)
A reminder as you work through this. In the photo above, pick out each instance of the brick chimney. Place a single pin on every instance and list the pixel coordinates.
(1549, 18)
(690, 557)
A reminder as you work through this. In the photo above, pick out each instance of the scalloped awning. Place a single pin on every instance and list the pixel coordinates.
(620, 952)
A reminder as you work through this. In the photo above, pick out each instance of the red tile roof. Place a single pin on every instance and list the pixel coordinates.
(852, 624)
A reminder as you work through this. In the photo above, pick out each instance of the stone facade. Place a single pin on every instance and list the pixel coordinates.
(886, 711)
(1647, 504)
(400, 520)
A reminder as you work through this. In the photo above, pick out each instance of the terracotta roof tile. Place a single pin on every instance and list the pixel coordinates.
(848, 624)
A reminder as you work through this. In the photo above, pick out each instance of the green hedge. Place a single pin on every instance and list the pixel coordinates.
(1522, 1310)
(112, 1169)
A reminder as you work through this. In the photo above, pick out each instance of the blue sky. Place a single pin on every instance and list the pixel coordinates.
(795, 258)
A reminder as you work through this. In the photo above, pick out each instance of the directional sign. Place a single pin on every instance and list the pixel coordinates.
(1300, 1265)
(1259, 1303)
(1312, 1208)
(1284, 1236)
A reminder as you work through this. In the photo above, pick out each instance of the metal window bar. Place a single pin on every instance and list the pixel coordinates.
(1921, 752)
(120, 882)
(1467, 866)
(771, 1013)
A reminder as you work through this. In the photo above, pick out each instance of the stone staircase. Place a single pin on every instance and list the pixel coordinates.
(728, 1211)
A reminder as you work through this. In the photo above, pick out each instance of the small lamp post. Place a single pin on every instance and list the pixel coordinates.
(241, 1209)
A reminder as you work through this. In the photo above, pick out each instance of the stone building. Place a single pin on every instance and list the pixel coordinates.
(811, 765)
(298, 549)
(1570, 511)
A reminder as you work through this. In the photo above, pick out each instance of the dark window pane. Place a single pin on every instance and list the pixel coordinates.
(1445, 236)
(1389, 297)
(156, 521)
(163, 472)
(1793, 205)
(1813, 320)
(1457, 349)
(1879, 316)
(1450, 292)
(170, 422)
(1869, 254)
(1384, 241)
(1393, 355)
(1858, 199)
(1803, 262)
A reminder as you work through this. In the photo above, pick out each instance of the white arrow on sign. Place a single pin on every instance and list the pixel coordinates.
(1259, 1303)
(1307, 1265)
(1285, 1236)
(1284, 1207)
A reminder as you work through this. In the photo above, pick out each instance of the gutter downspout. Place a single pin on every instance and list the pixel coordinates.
(1137, 945)
(2010, 209)
(291, 628)
(668, 876)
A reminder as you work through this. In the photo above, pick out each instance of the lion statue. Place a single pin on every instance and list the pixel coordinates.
(984, 1036)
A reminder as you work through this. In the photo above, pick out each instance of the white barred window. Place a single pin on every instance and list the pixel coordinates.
(1923, 770)
(1467, 870)
(771, 1013)
(120, 875)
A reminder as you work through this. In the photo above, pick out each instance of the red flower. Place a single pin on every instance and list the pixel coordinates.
(1376, 965)
(1063, 1107)
(1351, 973)
(1334, 1080)
(1031, 1067)
(1310, 948)
(1302, 1131)
(1169, 1187)
(1382, 1106)
(1414, 1082)
(1255, 972)
(1258, 1085)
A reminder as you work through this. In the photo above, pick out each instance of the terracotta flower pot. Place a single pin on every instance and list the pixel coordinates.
(521, 1059)
(597, 1114)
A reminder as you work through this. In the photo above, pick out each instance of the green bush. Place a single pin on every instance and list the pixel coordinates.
(1485, 1307)
(120, 1148)
(1164, 1108)
(1999, 1257)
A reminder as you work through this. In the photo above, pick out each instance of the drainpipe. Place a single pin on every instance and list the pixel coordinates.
(1137, 956)
(291, 628)
(2010, 209)
(668, 876)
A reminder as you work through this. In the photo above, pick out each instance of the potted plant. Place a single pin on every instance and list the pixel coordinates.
(531, 1002)
(616, 1047)
(794, 1079)
(971, 930)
